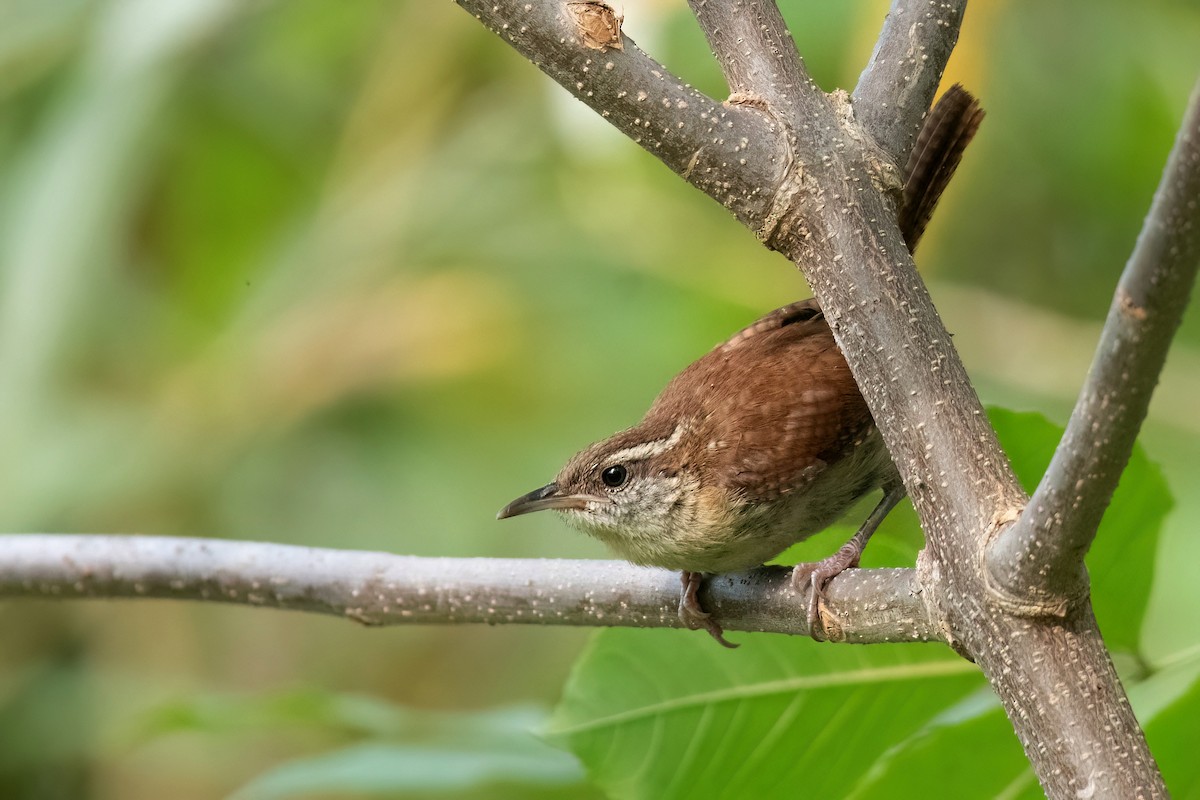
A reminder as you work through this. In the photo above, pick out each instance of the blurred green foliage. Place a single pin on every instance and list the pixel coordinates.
(355, 275)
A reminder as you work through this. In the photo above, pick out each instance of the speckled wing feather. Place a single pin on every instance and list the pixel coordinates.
(799, 371)
(801, 311)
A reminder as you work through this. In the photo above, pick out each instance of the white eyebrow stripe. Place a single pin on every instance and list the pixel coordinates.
(640, 452)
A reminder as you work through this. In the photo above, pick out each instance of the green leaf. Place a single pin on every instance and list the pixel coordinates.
(1172, 738)
(1121, 561)
(402, 750)
(352, 714)
(391, 769)
(399, 751)
(994, 765)
(667, 714)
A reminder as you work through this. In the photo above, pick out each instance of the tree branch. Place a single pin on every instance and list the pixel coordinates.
(825, 211)
(897, 87)
(756, 52)
(876, 605)
(728, 152)
(1039, 560)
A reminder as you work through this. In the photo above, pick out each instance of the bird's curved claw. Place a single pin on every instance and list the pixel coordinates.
(693, 615)
(816, 576)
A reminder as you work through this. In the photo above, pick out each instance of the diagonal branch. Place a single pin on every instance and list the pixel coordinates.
(834, 216)
(1041, 556)
(871, 605)
(756, 52)
(728, 152)
(898, 85)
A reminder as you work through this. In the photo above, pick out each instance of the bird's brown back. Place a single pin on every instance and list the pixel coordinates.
(773, 406)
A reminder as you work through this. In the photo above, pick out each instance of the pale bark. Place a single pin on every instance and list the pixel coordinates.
(872, 605)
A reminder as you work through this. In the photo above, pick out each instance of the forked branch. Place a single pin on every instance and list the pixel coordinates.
(1040, 559)
(832, 211)
(902, 76)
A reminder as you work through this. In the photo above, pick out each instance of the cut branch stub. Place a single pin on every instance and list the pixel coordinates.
(599, 25)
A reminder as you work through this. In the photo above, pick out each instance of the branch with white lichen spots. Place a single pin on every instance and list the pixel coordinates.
(876, 605)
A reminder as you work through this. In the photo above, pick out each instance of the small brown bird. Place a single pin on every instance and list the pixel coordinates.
(759, 444)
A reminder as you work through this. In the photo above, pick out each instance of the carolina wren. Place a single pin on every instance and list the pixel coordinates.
(757, 445)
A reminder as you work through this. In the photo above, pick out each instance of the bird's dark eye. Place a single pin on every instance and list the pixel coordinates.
(614, 476)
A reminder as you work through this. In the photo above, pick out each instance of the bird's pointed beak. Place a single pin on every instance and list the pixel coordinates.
(549, 496)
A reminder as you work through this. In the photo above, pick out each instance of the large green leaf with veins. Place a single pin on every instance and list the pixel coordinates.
(666, 714)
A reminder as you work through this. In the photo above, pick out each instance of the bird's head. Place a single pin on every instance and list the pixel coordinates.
(631, 490)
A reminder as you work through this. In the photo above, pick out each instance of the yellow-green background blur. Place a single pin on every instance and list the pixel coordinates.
(354, 274)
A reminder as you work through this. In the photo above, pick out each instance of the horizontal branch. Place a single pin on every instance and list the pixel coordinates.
(1040, 558)
(876, 605)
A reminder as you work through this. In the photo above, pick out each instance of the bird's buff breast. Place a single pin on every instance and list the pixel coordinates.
(709, 531)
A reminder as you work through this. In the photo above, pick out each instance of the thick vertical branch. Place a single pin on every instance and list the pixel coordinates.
(1062, 695)
(757, 53)
(835, 218)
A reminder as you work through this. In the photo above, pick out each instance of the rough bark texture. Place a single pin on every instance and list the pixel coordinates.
(872, 605)
(898, 85)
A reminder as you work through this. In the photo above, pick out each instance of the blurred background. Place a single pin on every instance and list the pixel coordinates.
(355, 275)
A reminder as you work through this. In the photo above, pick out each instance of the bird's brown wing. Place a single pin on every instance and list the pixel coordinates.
(777, 403)
(804, 313)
